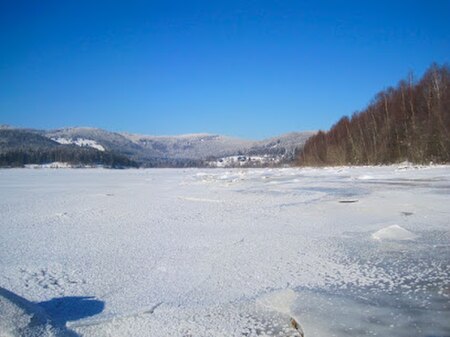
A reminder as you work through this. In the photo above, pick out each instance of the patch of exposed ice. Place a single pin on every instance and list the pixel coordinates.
(394, 232)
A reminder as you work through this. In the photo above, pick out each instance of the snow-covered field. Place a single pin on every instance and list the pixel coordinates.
(170, 252)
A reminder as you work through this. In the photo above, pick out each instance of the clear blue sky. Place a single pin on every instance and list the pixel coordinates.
(244, 68)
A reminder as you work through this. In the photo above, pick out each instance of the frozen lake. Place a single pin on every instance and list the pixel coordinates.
(169, 252)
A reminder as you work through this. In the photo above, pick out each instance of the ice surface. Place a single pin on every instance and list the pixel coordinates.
(214, 252)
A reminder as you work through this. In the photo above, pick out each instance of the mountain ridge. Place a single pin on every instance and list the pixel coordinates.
(185, 150)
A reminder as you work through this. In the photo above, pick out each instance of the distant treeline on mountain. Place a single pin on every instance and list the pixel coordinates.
(409, 122)
(21, 147)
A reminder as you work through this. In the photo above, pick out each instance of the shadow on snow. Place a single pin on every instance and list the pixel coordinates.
(57, 311)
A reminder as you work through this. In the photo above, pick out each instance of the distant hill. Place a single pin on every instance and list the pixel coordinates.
(285, 145)
(21, 147)
(190, 146)
(191, 150)
(210, 147)
(409, 122)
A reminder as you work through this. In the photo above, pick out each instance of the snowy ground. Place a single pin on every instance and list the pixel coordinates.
(170, 252)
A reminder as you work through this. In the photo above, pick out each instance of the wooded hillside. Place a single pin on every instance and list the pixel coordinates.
(22, 147)
(409, 122)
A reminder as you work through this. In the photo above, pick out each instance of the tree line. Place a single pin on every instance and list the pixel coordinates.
(408, 122)
(71, 154)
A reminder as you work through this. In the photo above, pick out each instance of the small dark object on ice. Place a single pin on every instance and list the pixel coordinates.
(347, 201)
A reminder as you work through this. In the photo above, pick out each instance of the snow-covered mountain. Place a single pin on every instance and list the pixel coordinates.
(191, 146)
(181, 150)
(87, 136)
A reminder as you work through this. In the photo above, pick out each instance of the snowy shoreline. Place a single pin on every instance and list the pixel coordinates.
(398, 166)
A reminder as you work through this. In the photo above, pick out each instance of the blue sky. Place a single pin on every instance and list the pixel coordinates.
(243, 68)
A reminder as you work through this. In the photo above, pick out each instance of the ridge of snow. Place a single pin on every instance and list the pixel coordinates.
(394, 232)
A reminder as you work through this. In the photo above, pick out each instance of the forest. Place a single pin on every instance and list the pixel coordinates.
(67, 154)
(409, 122)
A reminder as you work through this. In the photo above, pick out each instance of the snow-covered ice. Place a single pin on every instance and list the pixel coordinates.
(215, 252)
